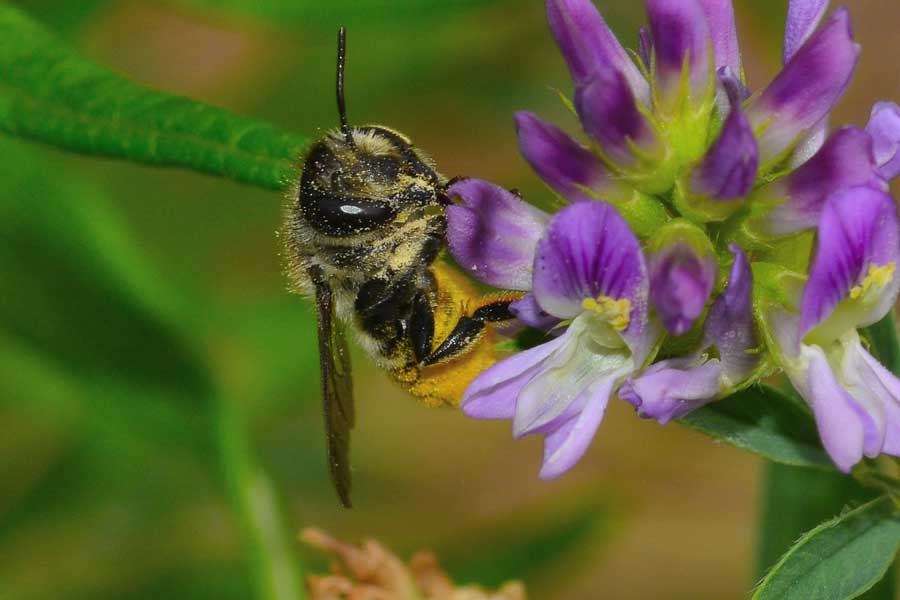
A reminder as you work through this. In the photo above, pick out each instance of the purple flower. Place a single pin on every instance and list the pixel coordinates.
(681, 283)
(611, 116)
(672, 388)
(852, 284)
(729, 168)
(846, 160)
(564, 164)
(699, 166)
(683, 268)
(649, 132)
(802, 19)
(589, 271)
(884, 127)
(806, 89)
(529, 312)
(681, 40)
(590, 47)
(493, 233)
(722, 29)
(609, 88)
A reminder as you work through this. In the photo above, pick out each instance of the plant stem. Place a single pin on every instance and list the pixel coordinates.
(276, 569)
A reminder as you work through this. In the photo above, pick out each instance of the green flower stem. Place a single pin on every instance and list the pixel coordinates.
(276, 568)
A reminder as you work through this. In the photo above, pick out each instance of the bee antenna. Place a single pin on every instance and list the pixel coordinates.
(341, 60)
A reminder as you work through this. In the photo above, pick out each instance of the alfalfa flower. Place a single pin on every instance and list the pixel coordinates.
(683, 270)
(672, 388)
(884, 127)
(852, 283)
(722, 190)
(590, 273)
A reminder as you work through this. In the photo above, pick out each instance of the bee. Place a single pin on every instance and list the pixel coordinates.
(365, 233)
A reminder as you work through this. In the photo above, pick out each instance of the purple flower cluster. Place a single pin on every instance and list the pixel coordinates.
(679, 271)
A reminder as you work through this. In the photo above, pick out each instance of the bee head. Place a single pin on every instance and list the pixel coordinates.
(358, 179)
(367, 181)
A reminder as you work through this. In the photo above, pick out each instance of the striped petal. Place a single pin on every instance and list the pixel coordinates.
(806, 89)
(493, 233)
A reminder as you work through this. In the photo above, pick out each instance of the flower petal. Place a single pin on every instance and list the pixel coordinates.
(840, 422)
(867, 390)
(562, 162)
(680, 33)
(609, 114)
(493, 394)
(806, 89)
(802, 19)
(589, 251)
(566, 445)
(671, 389)
(858, 230)
(589, 46)
(729, 323)
(887, 386)
(722, 28)
(558, 391)
(811, 142)
(681, 280)
(529, 312)
(884, 127)
(846, 160)
(729, 168)
(494, 233)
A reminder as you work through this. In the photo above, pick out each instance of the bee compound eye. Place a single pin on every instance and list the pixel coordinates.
(336, 216)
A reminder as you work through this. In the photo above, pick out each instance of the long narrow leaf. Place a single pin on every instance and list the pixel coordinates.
(306, 12)
(51, 94)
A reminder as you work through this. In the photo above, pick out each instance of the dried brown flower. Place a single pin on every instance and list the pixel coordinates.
(370, 571)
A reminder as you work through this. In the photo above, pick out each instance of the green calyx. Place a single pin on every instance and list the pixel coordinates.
(681, 231)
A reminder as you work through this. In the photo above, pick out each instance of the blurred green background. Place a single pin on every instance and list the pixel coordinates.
(154, 371)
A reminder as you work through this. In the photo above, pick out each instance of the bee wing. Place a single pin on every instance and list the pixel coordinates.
(337, 390)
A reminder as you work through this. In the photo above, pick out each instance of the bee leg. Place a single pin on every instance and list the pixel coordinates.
(468, 330)
(375, 298)
(382, 309)
(421, 327)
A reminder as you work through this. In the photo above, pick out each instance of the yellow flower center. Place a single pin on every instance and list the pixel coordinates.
(615, 312)
(877, 278)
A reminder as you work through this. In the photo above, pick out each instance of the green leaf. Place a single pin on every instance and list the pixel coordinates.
(795, 500)
(65, 17)
(885, 342)
(306, 12)
(839, 559)
(766, 422)
(49, 93)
